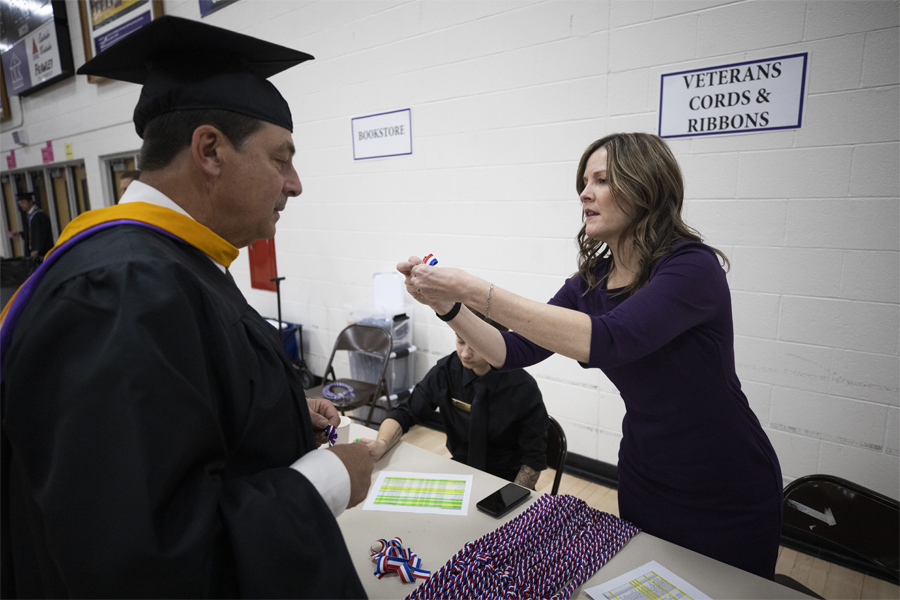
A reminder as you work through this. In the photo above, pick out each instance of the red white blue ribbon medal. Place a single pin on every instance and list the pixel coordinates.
(389, 556)
(331, 433)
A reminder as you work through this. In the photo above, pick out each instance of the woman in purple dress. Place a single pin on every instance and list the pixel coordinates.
(650, 306)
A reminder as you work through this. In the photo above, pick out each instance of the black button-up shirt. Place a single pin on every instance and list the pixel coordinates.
(517, 418)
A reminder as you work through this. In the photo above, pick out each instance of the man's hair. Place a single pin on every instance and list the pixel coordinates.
(486, 320)
(168, 134)
(132, 175)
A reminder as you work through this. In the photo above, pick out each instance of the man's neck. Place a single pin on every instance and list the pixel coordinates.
(176, 188)
(186, 188)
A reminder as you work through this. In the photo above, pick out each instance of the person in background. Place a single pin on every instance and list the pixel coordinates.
(494, 421)
(125, 180)
(157, 441)
(650, 306)
(37, 234)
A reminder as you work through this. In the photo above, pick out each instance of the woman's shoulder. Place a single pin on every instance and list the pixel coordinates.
(690, 254)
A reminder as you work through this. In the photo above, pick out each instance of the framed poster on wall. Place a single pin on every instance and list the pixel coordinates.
(34, 45)
(207, 7)
(5, 110)
(105, 22)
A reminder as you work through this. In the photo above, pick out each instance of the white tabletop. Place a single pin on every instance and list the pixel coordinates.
(713, 578)
(436, 538)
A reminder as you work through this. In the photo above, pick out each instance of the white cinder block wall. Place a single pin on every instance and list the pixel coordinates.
(504, 96)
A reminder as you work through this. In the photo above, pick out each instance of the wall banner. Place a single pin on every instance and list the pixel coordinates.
(35, 46)
(112, 21)
(759, 95)
(105, 22)
(382, 135)
(208, 7)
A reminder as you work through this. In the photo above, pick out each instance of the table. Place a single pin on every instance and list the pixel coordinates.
(436, 538)
(713, 578)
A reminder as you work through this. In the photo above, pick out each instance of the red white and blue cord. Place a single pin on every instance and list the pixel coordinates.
(548, 551)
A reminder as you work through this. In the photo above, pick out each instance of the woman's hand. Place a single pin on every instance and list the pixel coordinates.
(437, 287)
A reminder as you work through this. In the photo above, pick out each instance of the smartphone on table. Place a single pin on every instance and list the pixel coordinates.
(503, 500)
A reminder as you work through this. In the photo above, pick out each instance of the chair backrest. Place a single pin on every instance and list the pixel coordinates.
(370, 340)
(557, 449)
(364, 338)
(369, 347)
(844, 522)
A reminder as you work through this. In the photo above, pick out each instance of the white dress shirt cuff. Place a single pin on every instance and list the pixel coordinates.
(328, 475)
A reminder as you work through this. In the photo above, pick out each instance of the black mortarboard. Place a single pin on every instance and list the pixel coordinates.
(185, 64)
(25, 196)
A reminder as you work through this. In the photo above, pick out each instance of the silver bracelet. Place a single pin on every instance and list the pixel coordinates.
(487, 313)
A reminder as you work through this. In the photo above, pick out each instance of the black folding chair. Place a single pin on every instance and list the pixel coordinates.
(557, 449)
(844, 523)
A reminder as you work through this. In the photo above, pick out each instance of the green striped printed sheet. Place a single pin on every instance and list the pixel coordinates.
(438, 493)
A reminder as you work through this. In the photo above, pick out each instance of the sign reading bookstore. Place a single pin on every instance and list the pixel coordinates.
(382, 135)
(759, 95)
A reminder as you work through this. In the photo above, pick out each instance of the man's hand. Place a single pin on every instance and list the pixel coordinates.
(377, 448)
(359, 465)
(527, 477)
(322, 413)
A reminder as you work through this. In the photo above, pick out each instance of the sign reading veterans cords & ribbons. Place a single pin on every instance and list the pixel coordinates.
(382, 135)
(759, 95)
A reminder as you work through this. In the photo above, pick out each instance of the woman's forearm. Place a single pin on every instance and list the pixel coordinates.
(560, 330)
(483, 338)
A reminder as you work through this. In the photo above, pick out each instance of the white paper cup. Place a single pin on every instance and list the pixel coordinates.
(343, 430)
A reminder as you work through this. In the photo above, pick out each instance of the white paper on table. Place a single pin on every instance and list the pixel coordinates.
(435, 493)
(649, 581)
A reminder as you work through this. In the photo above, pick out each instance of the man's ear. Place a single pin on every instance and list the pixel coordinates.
(207, 146)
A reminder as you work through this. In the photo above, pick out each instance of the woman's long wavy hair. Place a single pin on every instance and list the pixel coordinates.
(645, 181)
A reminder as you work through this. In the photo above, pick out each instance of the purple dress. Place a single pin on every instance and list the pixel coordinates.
(695, 467)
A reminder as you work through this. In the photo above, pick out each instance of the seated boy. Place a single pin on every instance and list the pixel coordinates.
(494, 421)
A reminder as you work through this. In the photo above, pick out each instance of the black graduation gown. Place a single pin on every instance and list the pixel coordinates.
(151, 419)
(38, 233)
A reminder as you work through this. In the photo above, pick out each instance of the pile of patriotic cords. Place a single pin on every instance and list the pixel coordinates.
(546, 552)
(390, 557)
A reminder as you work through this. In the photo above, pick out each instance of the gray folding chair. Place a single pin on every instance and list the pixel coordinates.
(374, 345)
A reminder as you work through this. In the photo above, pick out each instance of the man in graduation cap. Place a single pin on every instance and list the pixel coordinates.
(156, 440)
(38, 236)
